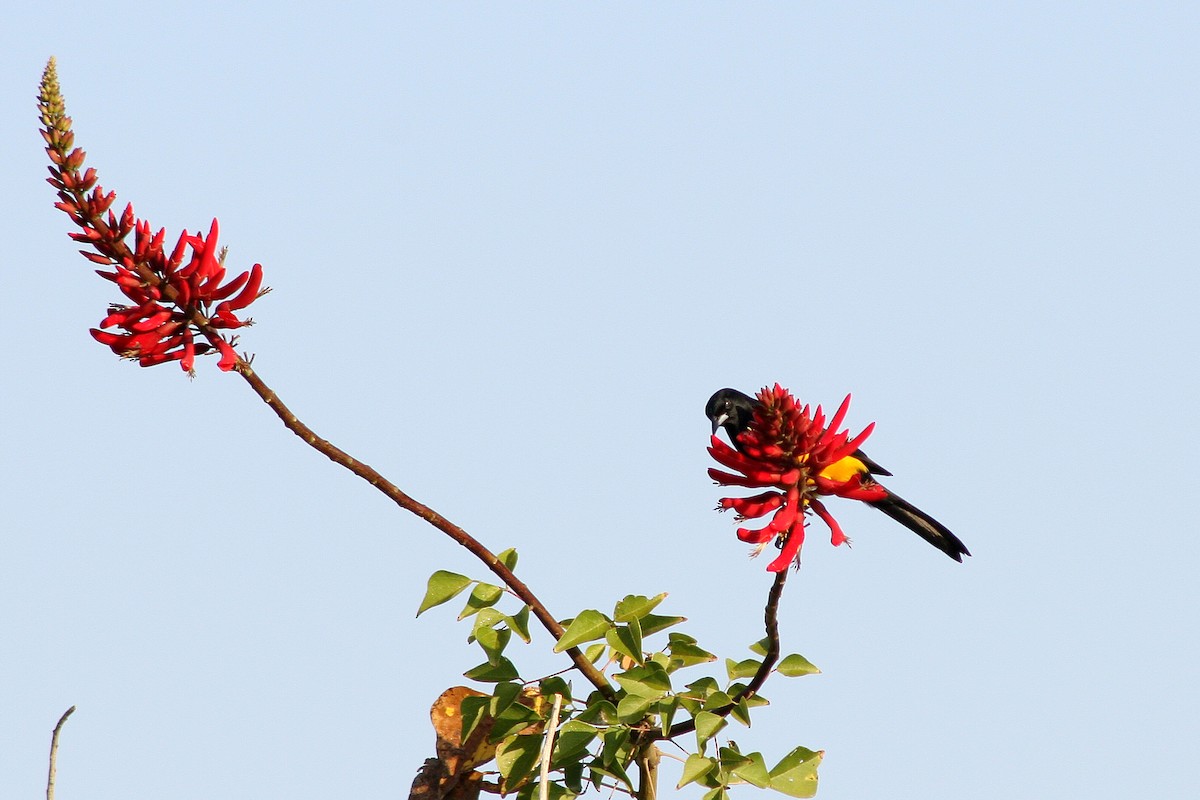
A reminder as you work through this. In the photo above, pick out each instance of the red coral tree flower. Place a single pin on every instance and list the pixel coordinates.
(172, 303)
(790, 451)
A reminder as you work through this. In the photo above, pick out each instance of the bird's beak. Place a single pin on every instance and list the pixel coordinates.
(718, 422)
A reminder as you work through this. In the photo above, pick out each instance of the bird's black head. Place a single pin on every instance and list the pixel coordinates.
(731, 410)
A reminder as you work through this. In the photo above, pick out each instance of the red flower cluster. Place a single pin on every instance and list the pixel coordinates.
(173, 301)
(157, 330)
(789, 450)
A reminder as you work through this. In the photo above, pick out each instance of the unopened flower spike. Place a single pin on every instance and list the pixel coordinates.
(790, 451)
(178, 303)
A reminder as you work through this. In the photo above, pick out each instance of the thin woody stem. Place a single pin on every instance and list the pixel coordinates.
(54, 753)
(368, 474)
(771, 618)
(73, 191)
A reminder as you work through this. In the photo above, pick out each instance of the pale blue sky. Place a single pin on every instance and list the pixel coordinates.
(514, 248)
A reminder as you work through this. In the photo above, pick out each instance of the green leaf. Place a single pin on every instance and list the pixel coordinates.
(636, 606)
(717, 700)
(627, 640)
(796, 774)
(573, 738)
(741, 669)
(487, 618)
(573, 777)
(474, 709)
(687, 654)
(756, 700)
(555, 684)
(492, 640)
(488, 672)
(482, 596)
(703, 687)
(503, 696)
(615, 741)
(795, 665)
(632, 708)
(516, 756)
(649, 681)
(760, 647)
(653, 623)
(667, 708)
(707, 726)
(515, 718)
(719, 793)
(696, 766)
(443, 586)
(594, 652)
(598, 710)
(554, 791)
(753, 770)
(519, 623)
(589, 625)
(509, 558)
(741, 712)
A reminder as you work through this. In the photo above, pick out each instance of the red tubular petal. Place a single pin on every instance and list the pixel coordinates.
(784, 518)
(728, 479)
(107, 337)
(727, 456)
(211, 284)
(229, 288)
(867, 494)
(756, 506)
(188, 361)
(177, 253)
(837, 537)
(117, 318)
(229, 358)
(835, 423)
(755, 537)
(248, 294)
(153, 359)
(183, 289)
(152, 322)
(790, 553)
(852, 445)
(224, 319)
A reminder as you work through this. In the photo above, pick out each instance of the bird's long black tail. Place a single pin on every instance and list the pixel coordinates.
(923, 525)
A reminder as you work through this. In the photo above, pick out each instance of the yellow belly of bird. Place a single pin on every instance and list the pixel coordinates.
(844, 470)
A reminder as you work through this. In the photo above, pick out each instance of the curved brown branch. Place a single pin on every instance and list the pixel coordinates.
(771, 618)
(106, 233)
(54, 753)
(368, 474)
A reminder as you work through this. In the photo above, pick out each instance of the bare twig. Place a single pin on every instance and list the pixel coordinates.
(54, 753)
(474, 546)
(547, 747)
